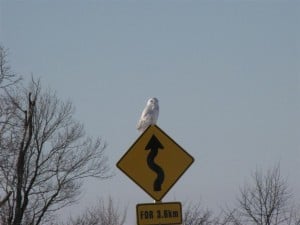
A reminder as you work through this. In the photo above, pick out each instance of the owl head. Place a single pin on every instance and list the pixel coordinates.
(152, 101)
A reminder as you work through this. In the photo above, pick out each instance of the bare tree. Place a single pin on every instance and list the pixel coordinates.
(45, 155)
(194, 214)
(102, 214)
(7, 77)
(267, 201)
(5, 199)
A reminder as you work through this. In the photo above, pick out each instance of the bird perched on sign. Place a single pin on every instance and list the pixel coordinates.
(149, 115)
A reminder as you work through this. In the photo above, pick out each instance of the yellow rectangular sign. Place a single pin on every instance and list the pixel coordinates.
(159, 213)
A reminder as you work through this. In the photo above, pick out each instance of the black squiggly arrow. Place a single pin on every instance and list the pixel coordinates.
(154, 145)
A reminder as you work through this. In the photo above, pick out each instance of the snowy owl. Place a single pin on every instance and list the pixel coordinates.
(149, 115)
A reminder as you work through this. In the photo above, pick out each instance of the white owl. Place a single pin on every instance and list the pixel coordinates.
(149, 115)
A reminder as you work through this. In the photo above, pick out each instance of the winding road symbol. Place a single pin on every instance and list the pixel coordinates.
(155, 162)
(153, 145)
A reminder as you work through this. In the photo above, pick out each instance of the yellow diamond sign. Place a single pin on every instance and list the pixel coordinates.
(155, 162)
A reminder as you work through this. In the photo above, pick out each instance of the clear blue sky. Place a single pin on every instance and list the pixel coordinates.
(227, 74)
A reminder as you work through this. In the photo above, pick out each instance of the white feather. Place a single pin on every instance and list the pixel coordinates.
(149, 115)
